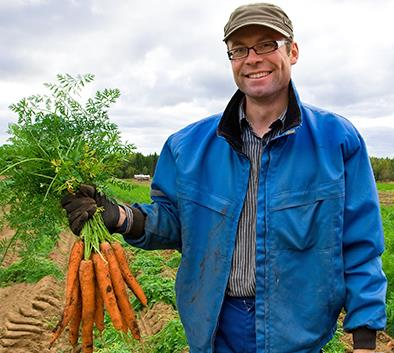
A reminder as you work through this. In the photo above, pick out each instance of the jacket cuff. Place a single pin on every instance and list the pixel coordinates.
(134, 224)
(364, 338)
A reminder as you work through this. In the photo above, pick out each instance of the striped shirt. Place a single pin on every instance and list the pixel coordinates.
(242, 281)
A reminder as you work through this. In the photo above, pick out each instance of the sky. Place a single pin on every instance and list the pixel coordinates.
(168, 59)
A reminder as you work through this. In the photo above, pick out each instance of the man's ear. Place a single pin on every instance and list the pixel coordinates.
(294, 52)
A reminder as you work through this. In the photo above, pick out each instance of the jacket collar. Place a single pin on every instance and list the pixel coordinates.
(229, 126)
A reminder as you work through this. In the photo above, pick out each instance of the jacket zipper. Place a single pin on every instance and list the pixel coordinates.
(266, 309)
(265, 252)
(224, 295)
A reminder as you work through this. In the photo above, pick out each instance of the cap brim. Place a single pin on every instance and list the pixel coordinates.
(259, 23)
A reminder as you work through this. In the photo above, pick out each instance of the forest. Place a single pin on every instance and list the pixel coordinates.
(137, 163)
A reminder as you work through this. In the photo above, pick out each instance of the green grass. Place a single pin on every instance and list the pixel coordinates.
(385, 186)
(335, 345)
(388, 262)
(157, 287)
(139, 192)
(36, 234)
(388, 255)
(170, 339)
(390, 314)
(29, 270)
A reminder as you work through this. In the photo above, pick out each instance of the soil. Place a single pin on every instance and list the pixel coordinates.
(29, 312)
(386, 198)
(384, 343)
(7, 233)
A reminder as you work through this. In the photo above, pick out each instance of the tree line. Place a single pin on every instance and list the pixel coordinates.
(383, 168)
(137, 163)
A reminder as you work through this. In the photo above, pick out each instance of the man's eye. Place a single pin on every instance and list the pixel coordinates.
(238, 51)
(265, 46)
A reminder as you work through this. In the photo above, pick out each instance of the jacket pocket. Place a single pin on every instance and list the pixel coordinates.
(300, 220)
(303, 307)
(199, 196)
(205, 219)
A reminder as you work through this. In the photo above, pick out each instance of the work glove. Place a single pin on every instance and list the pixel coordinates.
(82, 205)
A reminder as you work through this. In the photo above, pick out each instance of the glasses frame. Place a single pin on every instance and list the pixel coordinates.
(278, 43)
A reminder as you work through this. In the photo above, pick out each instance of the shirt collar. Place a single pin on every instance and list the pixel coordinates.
(230, 128)
(244, 119)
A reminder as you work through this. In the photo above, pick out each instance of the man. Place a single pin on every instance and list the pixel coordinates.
(273, 206)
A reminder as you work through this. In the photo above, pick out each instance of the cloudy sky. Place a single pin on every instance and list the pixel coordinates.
(169, 62)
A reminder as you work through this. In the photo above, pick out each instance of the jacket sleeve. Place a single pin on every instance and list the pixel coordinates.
(363, 242)
(162, 226)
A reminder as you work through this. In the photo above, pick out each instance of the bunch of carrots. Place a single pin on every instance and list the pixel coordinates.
(98, 274)
(57, 144)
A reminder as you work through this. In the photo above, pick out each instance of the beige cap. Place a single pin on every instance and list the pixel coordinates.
(262, 14)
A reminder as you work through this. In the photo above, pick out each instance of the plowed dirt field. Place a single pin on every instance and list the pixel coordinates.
(28, 312)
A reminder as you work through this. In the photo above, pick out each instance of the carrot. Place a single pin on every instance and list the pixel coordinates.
(126, 273)
(99, 314)
(107, 293)
(86, 278)
(74, 260)
(69, 312)
(72, 290)
(120, 289)
(75, 322)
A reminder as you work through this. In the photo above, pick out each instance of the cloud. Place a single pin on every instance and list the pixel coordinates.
(169, 61)
(345, 57)
(379, 140)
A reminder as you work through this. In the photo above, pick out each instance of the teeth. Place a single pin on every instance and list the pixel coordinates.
(259, 74)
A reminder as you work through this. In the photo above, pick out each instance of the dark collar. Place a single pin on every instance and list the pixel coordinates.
(229, 126)
(277, 125)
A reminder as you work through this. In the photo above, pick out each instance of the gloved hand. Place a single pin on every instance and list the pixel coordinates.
(82, 206)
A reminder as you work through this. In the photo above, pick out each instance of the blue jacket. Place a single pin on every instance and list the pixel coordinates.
(319, 232)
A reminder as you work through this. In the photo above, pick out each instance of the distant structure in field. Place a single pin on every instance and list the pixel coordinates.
(141, 177)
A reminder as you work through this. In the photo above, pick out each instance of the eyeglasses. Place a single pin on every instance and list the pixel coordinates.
(266, 47)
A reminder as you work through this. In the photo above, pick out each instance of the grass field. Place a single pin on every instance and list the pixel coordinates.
(139, 193)
(385, 186)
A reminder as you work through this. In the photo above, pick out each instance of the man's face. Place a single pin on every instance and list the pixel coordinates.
(265, 76)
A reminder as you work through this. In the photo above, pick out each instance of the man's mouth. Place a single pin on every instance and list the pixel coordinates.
(258, 74)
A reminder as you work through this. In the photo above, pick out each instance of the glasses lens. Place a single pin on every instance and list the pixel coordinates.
(238, 53)
(265, 47)
(259, 48)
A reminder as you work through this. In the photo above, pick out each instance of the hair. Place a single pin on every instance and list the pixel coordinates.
(288, 46)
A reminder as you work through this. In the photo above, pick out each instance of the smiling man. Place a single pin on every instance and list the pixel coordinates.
(261, 60)
(262, 50)
(273, 205)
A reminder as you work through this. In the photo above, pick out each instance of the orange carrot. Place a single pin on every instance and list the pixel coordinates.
(75, 322)
(126, 273)
(69, 312)
(72, 290)
(120, 289)
(106, 290)
(99, 314)
(74, 260)
(86, 278)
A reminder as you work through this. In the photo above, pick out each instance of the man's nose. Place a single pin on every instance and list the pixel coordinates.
(253, 56)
